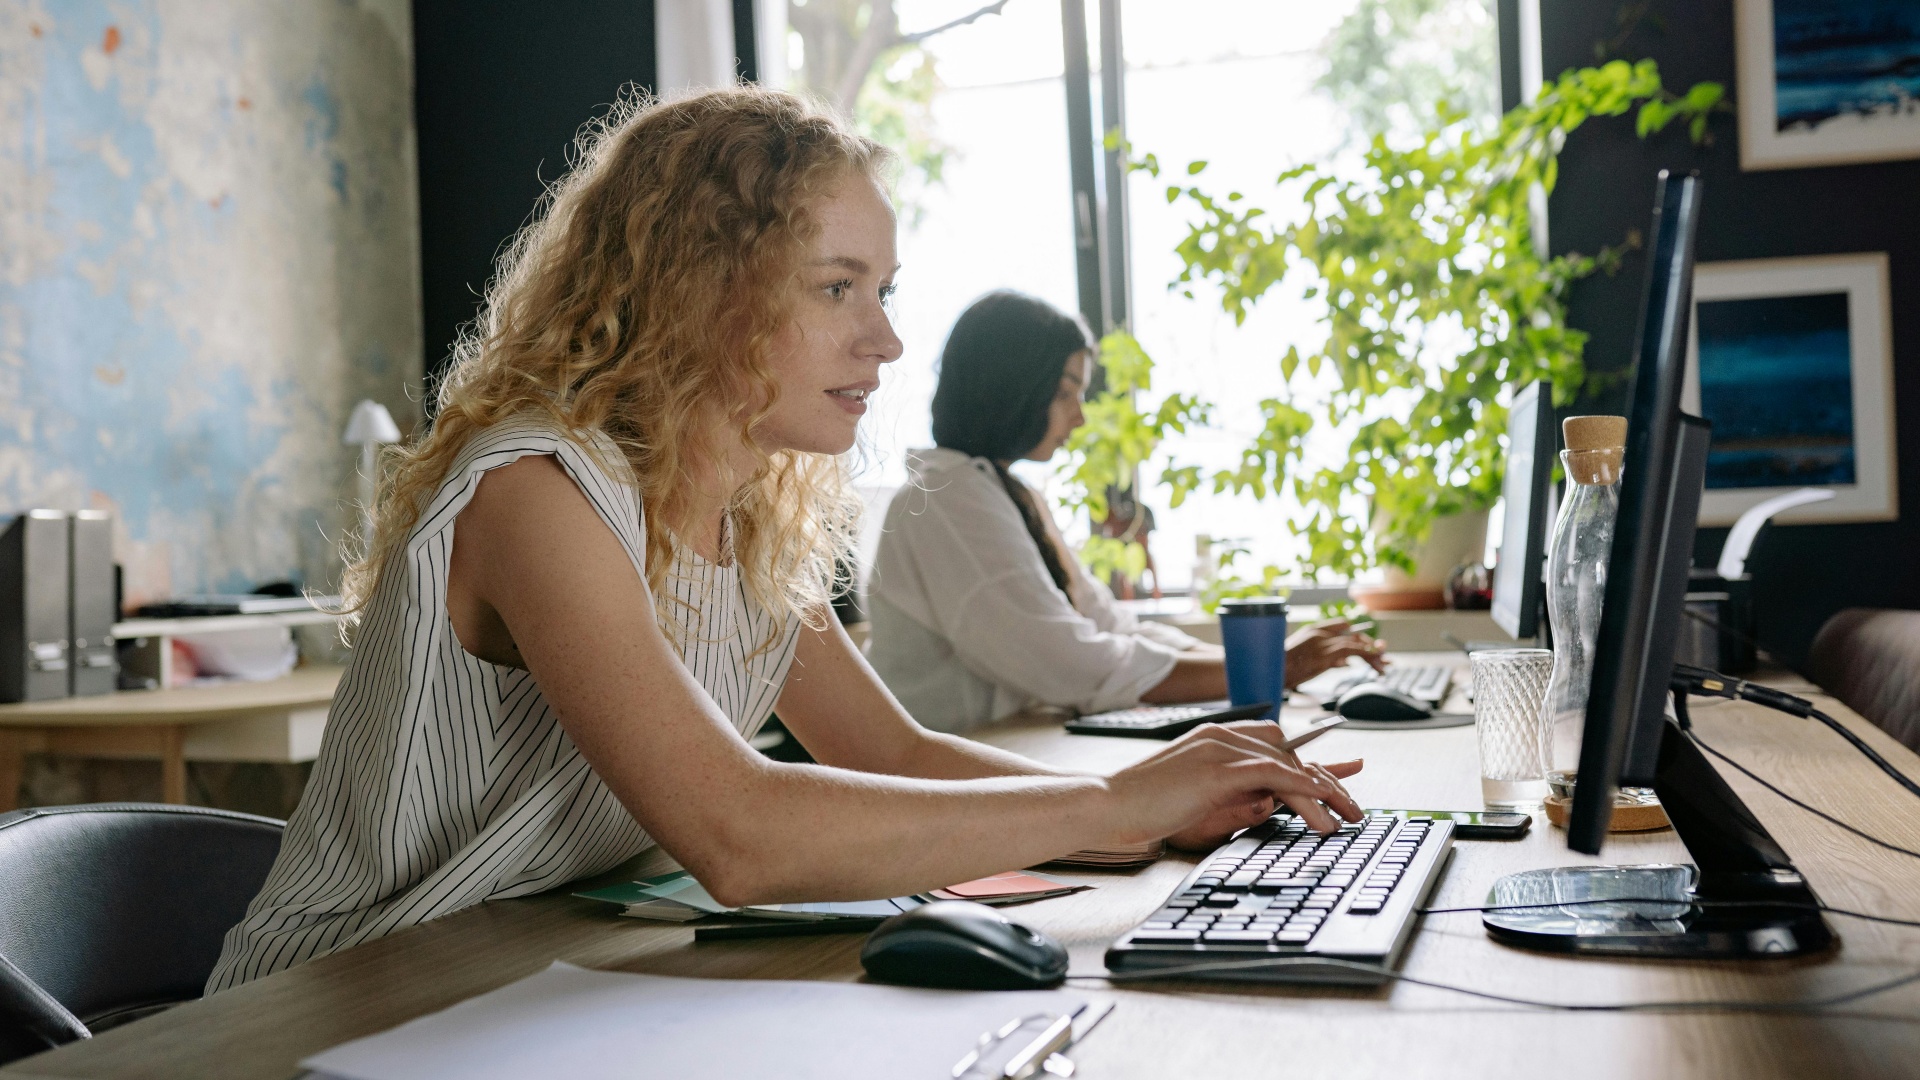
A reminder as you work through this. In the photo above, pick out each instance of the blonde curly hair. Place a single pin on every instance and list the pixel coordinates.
(648, 291)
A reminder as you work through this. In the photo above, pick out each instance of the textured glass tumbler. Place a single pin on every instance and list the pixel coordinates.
(1509, 708)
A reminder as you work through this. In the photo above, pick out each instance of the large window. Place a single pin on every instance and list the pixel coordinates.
(1250, 86)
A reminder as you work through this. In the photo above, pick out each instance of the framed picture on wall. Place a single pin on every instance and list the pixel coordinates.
(1792, 361)
(1827, 82)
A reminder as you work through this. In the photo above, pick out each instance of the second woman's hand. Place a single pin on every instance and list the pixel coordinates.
(1219, 778)
(1324, 646)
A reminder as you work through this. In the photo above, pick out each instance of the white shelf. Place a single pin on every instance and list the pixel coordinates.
(211, 624)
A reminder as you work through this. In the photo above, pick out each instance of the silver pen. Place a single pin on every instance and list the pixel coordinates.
(1023, 1047)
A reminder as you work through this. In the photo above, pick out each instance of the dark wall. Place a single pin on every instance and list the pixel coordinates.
(500, 89)
(1802, 573)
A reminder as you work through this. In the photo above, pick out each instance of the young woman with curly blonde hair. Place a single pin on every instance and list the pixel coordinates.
(612, 557)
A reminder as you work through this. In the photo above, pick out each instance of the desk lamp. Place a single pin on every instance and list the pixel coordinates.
(370, 427)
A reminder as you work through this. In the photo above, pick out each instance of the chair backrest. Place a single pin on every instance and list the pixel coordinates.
(114, 909)
(1870, 659)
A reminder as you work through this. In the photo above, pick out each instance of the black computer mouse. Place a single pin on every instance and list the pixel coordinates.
(1378, 701)
(961, 945)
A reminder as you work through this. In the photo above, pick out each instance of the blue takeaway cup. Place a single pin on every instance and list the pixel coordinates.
(1254, 634)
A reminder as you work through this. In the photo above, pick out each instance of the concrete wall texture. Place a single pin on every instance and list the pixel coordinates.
(209, 251)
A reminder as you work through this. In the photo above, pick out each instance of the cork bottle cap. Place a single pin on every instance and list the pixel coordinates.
(1594, 432)
(1596, 447)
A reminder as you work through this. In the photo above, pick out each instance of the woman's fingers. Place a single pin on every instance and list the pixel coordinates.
(1258, 740)
(1341, 802)
(1344, 769)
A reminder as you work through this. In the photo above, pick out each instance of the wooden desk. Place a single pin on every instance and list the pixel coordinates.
(262, 1029)
(277, 720)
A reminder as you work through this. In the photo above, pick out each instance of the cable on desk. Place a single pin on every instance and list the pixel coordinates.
(1814, 810)
(1702, 682)
(1805, 1006)
(1789, 905)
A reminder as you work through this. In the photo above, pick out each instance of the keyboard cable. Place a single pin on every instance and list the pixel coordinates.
(1790, 905)
(1810, 1005)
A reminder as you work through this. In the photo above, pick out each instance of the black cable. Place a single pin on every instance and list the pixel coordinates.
(1774, 904)
(1860, 745)
(1702, 682)
(1719, 627)
(1322, 963)
(1814, 810)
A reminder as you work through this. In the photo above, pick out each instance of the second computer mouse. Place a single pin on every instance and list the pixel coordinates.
(1378, 701)
(961, 945)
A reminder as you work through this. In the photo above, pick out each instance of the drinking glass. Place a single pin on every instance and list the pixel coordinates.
(1509, 708)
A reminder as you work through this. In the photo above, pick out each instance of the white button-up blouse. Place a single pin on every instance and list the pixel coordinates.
(968, 626)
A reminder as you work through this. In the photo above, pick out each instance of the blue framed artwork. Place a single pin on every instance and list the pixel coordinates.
(1791, 360)
(1827, 82)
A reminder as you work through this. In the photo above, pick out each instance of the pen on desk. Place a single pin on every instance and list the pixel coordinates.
(997, 1057)
(737, 931)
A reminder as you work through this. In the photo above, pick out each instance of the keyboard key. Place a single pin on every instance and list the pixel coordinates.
(1221, 900)
(1242, 879)
(1236, 937)
(1293, 937)
(1165, 937)
(1296, 881)
(1338, 880)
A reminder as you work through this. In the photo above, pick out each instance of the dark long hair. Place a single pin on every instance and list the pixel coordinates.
(999, 373)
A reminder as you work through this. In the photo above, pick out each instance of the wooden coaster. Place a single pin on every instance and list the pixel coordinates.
(1631, 813)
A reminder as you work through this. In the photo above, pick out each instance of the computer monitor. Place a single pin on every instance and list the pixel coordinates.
(1518, 583)
(1742, 895)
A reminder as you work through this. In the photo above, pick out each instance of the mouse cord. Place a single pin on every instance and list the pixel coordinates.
(1808, 1005)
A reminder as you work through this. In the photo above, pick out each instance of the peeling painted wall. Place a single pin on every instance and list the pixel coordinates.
(208, 253)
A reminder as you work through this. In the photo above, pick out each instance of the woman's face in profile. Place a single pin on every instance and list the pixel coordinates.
(1064, 416)
(828, 359)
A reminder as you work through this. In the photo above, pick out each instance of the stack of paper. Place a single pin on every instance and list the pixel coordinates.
(1012, 887)
(677, 897)
(1118, 857)
(589, 1025)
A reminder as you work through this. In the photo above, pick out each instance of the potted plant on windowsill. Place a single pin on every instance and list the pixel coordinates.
(1437, 304)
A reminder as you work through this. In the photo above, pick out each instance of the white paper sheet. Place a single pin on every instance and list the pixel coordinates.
(572, 1022)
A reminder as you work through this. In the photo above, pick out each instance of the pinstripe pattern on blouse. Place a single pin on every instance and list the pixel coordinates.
(444, 780)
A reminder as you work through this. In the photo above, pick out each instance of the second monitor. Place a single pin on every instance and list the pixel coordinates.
(1519, 584)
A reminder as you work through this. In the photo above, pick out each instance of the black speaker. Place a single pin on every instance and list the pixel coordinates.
(34, 561)
(91, 609)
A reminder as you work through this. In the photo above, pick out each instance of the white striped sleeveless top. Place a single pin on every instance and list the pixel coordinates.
(444, 780)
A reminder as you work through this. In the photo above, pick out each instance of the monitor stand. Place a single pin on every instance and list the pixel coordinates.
(1657, 911)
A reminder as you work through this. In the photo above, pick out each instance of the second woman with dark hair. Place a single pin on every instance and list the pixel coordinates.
(979, 608)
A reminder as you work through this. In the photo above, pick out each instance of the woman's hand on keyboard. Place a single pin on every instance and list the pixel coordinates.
(1328, 645)
(1219, 778)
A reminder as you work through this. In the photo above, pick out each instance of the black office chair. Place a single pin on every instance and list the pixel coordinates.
(112, 911)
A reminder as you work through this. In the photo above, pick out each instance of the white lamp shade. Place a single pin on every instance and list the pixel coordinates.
(371, 423)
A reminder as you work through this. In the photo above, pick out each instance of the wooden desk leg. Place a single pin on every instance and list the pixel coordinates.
(13, 753)
(173, 764)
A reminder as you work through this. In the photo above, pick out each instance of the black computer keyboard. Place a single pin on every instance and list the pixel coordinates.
(1280, 889)
(1428, 683)
(1163, 721)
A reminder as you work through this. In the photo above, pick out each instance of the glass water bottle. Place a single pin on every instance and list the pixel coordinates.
(1577, 574)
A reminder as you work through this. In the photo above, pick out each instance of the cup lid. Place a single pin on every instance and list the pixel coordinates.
(1254, 605)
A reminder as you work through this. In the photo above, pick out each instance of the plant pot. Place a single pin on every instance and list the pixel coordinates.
(1454, 539)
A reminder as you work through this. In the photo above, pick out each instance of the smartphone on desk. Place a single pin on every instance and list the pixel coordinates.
(1474, 824)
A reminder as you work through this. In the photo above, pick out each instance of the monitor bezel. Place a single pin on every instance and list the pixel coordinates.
(1630, 674)
(1520, 616)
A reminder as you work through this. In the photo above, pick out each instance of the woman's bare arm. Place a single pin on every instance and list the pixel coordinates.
(533, 560)
(844, 715)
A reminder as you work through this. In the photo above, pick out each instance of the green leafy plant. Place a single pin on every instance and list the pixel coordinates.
(1436, 303)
